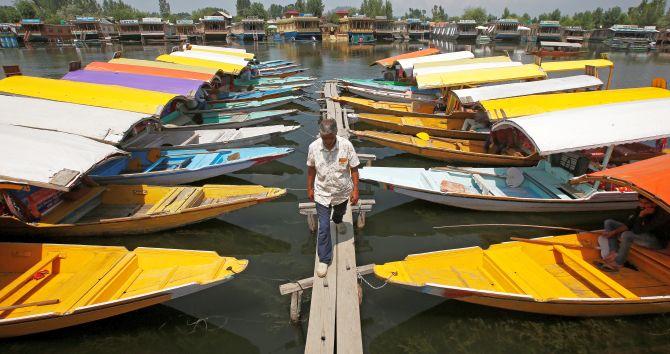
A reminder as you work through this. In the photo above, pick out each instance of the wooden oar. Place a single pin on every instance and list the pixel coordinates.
(552, 243)
(36, 303)
(463, 170)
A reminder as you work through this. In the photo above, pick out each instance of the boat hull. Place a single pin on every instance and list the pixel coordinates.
(301, 36)
(391, 96)
(413, 130)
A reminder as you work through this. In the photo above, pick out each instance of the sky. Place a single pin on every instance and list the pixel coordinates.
(452, 7)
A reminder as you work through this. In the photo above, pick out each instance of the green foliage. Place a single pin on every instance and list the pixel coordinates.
(415, 13)
(119, 10)
(372, 8)
(300, 6)
(241, 7)
(205, 11)
(257, 10)
(647, 13)
(26, 9)
(614, 16)
(275, 10)
(475, 13)
(438, 14)
(9, 14)
(164, 8)
(314, 7)
(388, 7)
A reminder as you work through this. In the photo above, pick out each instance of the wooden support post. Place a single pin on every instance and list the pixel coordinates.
(296, 303)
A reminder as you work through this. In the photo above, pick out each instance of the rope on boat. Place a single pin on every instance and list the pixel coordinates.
(386, 281)
(544, 227)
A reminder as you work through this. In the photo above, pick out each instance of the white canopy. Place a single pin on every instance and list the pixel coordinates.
(454, 68)
(595, 126)
(46, 158)
(103, 124)
(218, 49)
(559, 44)
(484, 93)
(408, 64)
(222, 58)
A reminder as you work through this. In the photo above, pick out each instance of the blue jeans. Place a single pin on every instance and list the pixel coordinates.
(627, 239)
(325, 246)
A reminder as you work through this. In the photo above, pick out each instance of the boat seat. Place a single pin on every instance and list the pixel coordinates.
(73, 210)
(23, 283)
(200, 160)
(547, 184)
(593, 276)
(653, 262)
(485, 188)
(525, 274)
(177, 199)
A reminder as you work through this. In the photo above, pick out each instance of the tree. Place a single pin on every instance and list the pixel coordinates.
(597, 17)
(614, 16)
(506, 13)
(525, 18)
(415, 13)
(314, 7)
(275, 10)
(241, 7)
(388, 9)
(120, 10)
(26, 9)
(205, 11)
(164, 8)
(647, 13)
(257, 10)
(438, 14)
(475, 13)
(300, 6)
(9, 14)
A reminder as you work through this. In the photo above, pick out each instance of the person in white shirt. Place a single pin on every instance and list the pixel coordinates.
(332, 181)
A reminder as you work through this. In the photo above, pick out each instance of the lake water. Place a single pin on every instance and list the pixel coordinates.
(247, 314)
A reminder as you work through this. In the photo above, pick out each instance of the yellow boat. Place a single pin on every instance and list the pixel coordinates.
(442, 127)
(138, 209)
(417, 109)
(552, 275)
(44, 287)
(450, 150)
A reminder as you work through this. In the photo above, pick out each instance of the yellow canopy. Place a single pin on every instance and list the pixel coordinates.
(247, 56)
(164, 65)
(535, 104)
(228, 68)
(108, 96)
(498, 59)
(480, 76)
(573, 65)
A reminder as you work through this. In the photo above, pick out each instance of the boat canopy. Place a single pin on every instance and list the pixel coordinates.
(226, 68)
(560, 44)
(222, 50)
(573, 65)
(463, 67)
(648, 177)
(48, 159)
(387, 62)
(408, 64)
(480, 76)
(496, 59)
(107, 96)
(484, 93)
(146, 70)
(106, 125)
(535, 104)
(167, 65)
(183, 87)
(593, 127)
(223, 58)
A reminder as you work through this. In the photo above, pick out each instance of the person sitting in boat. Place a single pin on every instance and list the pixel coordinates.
(332, 181)
(478, 123)
(648, 226)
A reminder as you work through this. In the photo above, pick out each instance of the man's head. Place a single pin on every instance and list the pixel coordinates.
(328, 132)
(646, 203)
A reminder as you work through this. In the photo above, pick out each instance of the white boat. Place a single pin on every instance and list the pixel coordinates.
(545, 187)
(390, 95)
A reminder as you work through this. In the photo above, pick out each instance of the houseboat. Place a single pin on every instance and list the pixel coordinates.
(215, 27)
(383, 29)
(152, 30)
(598, 34)
(329, 32)
(506, 29)
(461, 30)
(8, 35)
(90, 29)
(358, 29)
(171, 35)
(631, 37)
(32, 30)
(400, 30)
(299, 27)
(187, 31)
(547, 31)
(248, 29)
(129, 31)
(575, 34)
(418, 30)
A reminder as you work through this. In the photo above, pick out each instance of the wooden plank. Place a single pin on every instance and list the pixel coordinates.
(348, 325)
(321, 327)
(307, 283)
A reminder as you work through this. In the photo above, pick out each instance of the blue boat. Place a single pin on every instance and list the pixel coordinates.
(171, 167)
(249, 106)
(386, 86)
(252, 95)
(226, 120)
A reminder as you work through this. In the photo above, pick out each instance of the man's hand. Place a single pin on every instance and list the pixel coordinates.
(310, 194)
(646, 211)
(354, 197)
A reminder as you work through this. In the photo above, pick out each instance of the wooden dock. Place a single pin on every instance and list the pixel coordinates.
(334, 317)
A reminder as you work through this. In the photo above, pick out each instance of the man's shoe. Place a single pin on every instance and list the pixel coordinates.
(341, 228)
(322, 269)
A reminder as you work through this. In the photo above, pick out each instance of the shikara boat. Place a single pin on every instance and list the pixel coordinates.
(387, 62)
(228, 68)
(240, 52)
(193, 72)
(170, 167)
(282, 73)
(263, 81)
(225, 97)
(407, 64)
(452, 150)
(275, 87)
(247, 106)
(208, 139)
(263, 69)
(476, 77)
(50, 286)
(417, 109)
(390, 95)
(552, 275)
(225, 120)
(224, 58)
(464, 67)
(547, 49)
(175, 71)
(418, 67)
(384, 85)
(441, 127)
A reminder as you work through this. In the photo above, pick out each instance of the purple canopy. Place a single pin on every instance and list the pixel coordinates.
(184, 87)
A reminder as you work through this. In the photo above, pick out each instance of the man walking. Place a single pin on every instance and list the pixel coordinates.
(332, 181)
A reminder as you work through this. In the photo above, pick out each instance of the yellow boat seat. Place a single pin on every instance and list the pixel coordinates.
(69, 211)
(177, 199)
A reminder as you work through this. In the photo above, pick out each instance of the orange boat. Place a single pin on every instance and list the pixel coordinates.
(419, 53)
(144, 70)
